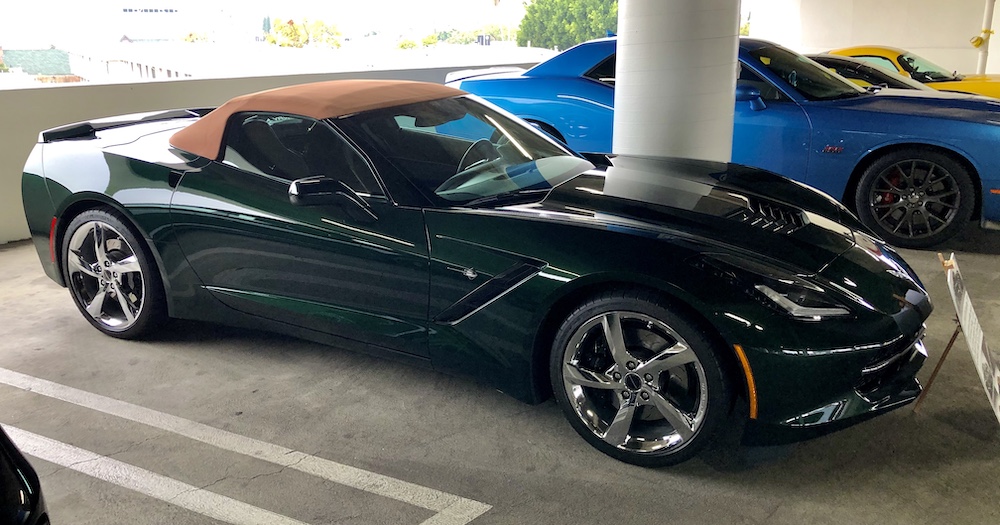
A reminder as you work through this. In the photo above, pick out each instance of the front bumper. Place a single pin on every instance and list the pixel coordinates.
(887, 382)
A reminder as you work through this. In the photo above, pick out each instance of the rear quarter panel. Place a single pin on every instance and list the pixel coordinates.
(580, 109)
(131, 175)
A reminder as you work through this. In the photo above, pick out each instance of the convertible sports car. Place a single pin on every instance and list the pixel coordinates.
(915, 167)
(923, 70)
(411, 220)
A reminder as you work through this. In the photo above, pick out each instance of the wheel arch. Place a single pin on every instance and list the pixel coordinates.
(83, 202)
(873, 155)
(572, 297)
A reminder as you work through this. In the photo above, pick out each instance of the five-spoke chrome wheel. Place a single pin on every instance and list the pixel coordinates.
(109, 276)
(638, 381)
(915, 198)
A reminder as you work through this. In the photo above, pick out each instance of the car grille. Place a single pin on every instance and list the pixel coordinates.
(884, 367)
(770, 216)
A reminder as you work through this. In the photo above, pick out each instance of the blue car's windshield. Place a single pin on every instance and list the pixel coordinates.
(812, 80)
(460, 151)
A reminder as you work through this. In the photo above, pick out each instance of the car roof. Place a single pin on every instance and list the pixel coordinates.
(318, 100)
(582, 57)
(868, 50)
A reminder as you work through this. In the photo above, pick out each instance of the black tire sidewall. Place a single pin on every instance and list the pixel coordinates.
(967, 195)
(153, 311)
(719, 396)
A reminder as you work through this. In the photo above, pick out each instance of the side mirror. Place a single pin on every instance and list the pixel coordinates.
(746, 92)
(320, 190)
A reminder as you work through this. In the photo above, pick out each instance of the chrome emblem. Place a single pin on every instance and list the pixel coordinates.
(470, 273)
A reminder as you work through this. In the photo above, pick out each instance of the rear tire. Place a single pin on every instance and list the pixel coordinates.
(111, 276)
(915, 198)
(638, 380)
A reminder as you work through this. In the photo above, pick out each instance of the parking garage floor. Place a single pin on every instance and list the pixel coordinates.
(209, 424)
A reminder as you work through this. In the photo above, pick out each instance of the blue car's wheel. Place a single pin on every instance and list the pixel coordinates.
(637, 380)
(915, 198)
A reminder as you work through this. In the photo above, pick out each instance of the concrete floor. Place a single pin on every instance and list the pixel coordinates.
(455, 436)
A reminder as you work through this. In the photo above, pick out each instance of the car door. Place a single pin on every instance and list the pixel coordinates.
(354, 271)
(775, 135)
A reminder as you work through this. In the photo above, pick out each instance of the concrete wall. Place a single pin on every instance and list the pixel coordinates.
(935, 29)
(25, 112)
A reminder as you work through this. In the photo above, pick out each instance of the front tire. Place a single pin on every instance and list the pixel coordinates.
(638, 380)
(111, 277)
(915, 198)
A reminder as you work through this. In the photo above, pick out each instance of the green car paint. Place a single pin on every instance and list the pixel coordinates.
(481, 290)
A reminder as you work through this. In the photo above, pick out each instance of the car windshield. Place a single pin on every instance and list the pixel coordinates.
(924, 70)
(812, 80)
(891, 78)
(461, 151)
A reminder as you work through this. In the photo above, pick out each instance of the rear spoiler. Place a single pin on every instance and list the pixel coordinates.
(88, 130)
(465, 74)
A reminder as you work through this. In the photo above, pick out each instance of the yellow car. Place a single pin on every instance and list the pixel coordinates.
(923, 70)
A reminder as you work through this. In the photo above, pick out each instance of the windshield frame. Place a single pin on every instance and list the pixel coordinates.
(522, 161)
(817, 74)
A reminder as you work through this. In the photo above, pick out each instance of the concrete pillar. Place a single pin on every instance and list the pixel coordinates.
(675, 78)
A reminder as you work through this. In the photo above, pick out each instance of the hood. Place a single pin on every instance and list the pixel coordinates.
(973, 77)
(911, 102)
(731, 207)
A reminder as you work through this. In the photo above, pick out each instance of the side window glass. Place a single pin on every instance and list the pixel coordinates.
(603, 72)
(767, 90)
(291, 147)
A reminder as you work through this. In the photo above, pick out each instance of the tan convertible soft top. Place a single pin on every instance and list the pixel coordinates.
(335, 98)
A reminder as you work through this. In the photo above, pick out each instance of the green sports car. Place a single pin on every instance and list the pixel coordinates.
(660, 300)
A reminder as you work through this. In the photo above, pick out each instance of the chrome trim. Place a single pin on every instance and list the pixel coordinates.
(882, 365)
(489, 302)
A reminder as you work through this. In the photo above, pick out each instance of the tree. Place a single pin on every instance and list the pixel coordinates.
(565, 23)
(314, 33)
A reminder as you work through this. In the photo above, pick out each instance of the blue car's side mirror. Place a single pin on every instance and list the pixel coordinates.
(748, 93)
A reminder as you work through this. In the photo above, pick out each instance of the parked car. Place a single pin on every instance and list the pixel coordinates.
(923, 70)
(866, 74)
(414, 221)
(915, 167)
(21, 501)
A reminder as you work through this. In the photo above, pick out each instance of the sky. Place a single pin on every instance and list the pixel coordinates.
(38, 24)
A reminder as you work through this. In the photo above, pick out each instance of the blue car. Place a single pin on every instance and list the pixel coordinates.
(915, 166)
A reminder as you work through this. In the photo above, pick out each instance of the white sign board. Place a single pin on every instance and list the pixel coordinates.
(987, 363)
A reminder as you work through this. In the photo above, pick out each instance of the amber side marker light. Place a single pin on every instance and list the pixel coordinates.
(995, 191)
(751, 386)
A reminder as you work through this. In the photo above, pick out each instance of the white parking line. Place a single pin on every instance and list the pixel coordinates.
(451, 509)
(145, 482)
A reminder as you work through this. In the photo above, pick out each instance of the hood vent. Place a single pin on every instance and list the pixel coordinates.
(769, 216)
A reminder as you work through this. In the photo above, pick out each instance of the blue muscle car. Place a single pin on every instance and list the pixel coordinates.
(914, 166)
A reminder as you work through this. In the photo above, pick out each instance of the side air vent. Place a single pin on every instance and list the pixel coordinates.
(770, 216)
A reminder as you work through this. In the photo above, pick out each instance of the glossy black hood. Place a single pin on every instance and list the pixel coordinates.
(728, 205)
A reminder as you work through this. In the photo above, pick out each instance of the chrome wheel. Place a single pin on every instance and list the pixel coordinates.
(915, 198)
(105, 275)
(635, 383)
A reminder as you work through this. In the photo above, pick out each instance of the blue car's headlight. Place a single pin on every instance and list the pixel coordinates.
(779, 290)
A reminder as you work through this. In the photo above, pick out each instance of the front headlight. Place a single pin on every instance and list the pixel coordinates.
(783, 291)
